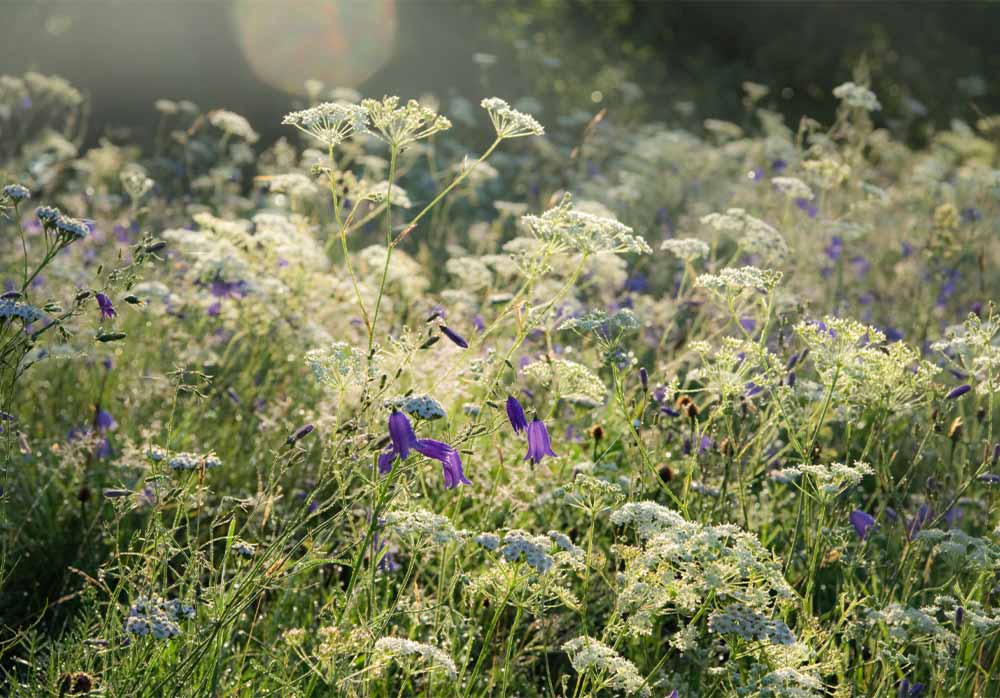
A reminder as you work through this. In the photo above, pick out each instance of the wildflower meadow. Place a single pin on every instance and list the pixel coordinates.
(453, 396)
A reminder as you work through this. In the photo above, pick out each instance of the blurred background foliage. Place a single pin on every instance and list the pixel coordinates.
(662, 61)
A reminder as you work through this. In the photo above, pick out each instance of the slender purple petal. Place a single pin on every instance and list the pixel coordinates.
(106, 306)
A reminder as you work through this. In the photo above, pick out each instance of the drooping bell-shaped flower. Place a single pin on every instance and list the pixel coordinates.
(539, 444)
(454, 336)
(404, 439)
(106, 306)
(862, 522)
(515, 413)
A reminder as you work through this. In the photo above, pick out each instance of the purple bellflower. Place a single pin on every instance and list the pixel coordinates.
(454, 336)
(863, 522)
(106, 306)
(403, 440)
(539, 444)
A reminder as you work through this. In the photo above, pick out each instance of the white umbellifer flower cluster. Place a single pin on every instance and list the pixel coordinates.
(294, 184)
(534, 549)
(750, 625)
(10, 308)
(157, 617)
(68, 227)
(279, 238)
(607, 668)
(571, 381)
(732, 281)
(422, 406)
(789, 683)
(903, 627)
(688, 249)
(471, 271)
(724, 129)
(244, 549)
(981, 619)
(829, 479)
(334, 364)
(135, 182)
(508, 122)
(864, 371)
(423, 524)
(582, 232)
(53, 87)
(682, 563)
(757, 237)
(857, 96)
(416, 656)
(405, 272)
(397, 196)
(185, 460)
(606, 326)
(233, 124)
(793, 188)
(331, 123)
(972, 347)
(402, 126)
(969, 551)
(729, 367)
(828, 173)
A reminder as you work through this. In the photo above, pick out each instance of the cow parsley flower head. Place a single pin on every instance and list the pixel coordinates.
(688, 249)
(857, 96)
(334, 364)
(417, 657)
(420, 524)
(793, 188)
(731, 282)
(395, 194)
(756, 236)
(156, 617)
(233, 124)
(575, 382)
(331, 123)
(750, 625)
(587, 233)
(185, 460)
(401, 126)
(508, 122)
(607, 668)
(534, 549)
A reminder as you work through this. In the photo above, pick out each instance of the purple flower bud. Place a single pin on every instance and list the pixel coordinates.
(989, 478)
(515, 413)
(454, 336)
(959, 616)
(116, 493)
(862, 522)
(644, 378)
(958, 392)
(299, 434)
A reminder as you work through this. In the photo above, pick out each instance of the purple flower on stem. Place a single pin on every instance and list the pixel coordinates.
(958, 392)
(403, 439)
(914, 525)
(808, 206)
(644, 378)
(515, 413)
(539, 444)
(104, 421)
(863, 522)
(299, 434)
(106, 306)
(454, 336)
